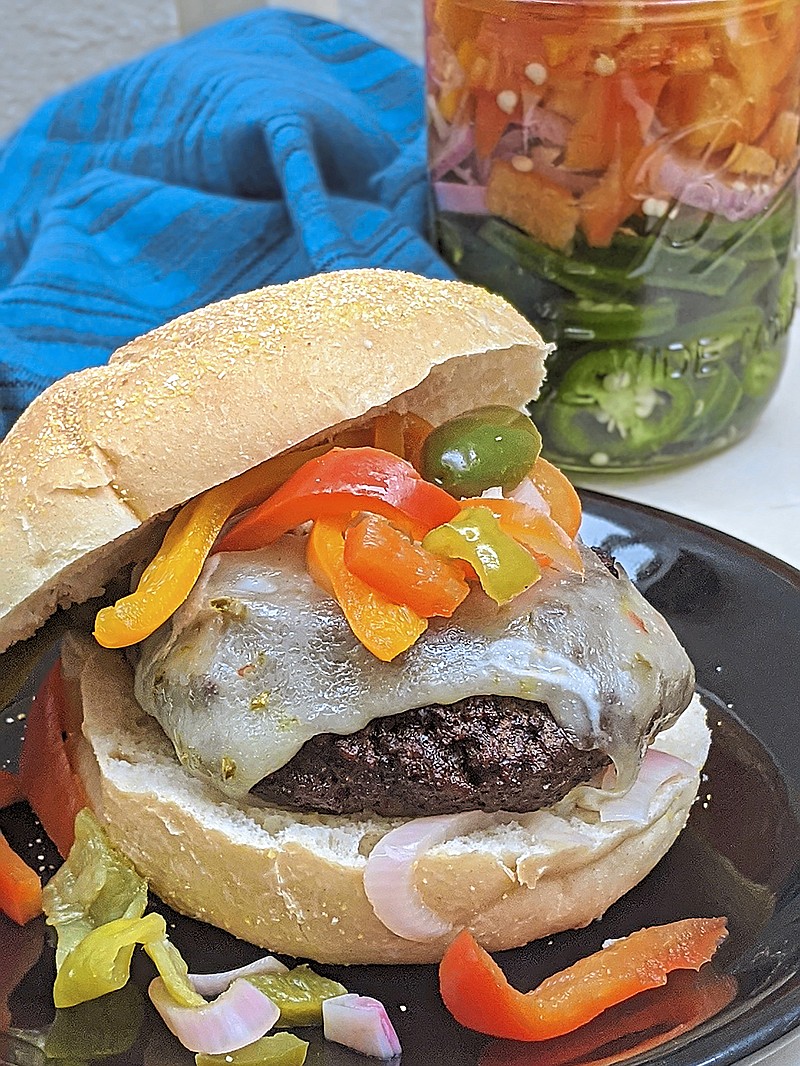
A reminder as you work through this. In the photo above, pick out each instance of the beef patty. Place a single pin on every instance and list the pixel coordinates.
(484, 753)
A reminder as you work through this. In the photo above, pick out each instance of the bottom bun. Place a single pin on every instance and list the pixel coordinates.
(293, 883)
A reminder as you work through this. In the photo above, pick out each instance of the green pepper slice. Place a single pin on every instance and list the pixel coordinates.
(615, 406)
(101, 962)
(718, 394)
(585, 320)
(503, 566)
(173, 971)
(279, 1049)
(490, 446)
(299, 994)
(97, 884)
(761, 373)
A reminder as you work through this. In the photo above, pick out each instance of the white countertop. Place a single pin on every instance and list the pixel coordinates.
(751, 491)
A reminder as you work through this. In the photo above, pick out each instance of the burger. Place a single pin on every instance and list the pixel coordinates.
(287, 745)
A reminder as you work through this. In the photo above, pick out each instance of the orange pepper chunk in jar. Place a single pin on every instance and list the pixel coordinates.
(624, 172)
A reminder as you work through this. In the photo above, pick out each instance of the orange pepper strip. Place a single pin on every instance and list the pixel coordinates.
(54, 790)
(384, 628)
(172, 574)
(20, 887)
(559, 494)
(387, 560)
(544, 538)
(389, 433)
(415, 430)
(11, 790)
(340, 482)
(477, 994)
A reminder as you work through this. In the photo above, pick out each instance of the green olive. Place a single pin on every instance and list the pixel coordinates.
(488, 447)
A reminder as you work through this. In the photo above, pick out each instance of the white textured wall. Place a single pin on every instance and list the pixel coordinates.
(46, 45)
(397, 23)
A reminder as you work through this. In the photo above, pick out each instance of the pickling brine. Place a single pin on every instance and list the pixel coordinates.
(625, 173)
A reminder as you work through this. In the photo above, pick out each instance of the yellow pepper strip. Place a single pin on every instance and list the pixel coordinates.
(504, 567)
(172, 574)
(174, 972)
(384, 628)
(101, 962)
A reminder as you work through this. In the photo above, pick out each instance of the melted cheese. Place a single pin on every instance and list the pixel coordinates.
(259, 659)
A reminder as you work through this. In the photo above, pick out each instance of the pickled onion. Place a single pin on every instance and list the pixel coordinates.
(657, 769)
(238, 1017)
(212, 984)
(360, 1023)
(389, 873)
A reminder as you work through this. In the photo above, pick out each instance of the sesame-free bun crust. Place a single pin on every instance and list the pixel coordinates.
(102, 453)
(293, 883)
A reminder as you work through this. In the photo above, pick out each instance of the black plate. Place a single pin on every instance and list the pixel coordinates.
(737, 611)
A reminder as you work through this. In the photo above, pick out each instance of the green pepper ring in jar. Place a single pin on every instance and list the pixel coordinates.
(612, 408)
(625, 174)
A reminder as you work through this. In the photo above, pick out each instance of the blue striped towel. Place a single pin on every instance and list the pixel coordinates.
(263, 149)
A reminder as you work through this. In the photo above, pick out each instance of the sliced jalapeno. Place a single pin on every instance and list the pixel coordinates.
(615, 406)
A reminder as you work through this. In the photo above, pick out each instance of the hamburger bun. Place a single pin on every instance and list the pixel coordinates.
(100, 456)
(96, 466)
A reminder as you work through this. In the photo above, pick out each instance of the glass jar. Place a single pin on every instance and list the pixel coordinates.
(626, 174)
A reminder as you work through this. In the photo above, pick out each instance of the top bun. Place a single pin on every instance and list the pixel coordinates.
(101, 454)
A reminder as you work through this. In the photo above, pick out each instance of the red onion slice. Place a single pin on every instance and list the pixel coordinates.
(454, 151)
(464, 199)
(703, 187)
(360, 1023)
(657, 769)
(212, 984)
(239, 1016)
(389, 873)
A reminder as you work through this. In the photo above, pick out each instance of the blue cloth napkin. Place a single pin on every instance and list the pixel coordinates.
(263, 149)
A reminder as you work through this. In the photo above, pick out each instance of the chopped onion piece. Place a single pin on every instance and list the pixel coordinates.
(463, 199)
(360, 1023)
(235, 1019)
(527, 493)
(658, 768)
(701, 185)
(389, 873)
(460, 142)
(211, 984)
(495, 493)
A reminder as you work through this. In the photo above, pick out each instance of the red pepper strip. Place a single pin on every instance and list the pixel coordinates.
(544, 538)
(631, 1028)
(559, 494)
(387, 560)
(384, 628)
(11, 790)
(20, 887)
(340, 482)
(52, 787)
(172, 574)
(477, 994)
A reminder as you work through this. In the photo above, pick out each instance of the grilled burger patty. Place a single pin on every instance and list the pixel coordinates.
(485, 753)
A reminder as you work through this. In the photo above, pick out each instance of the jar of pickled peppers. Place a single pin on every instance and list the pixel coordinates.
(626, 174)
